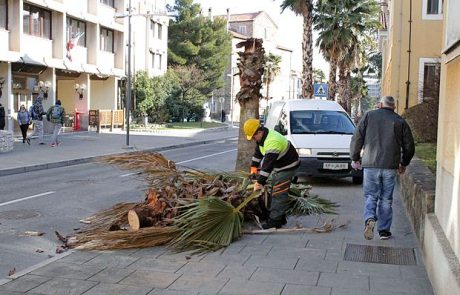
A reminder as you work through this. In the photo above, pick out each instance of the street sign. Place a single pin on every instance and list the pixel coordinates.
(320, 89)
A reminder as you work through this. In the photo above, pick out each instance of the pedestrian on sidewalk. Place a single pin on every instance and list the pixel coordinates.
(24, 121)
(388, 147)
(278, 161)
(2, 117)
(36, 112)
(55, 115)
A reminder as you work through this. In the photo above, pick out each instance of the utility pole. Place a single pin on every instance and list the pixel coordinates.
(128, 96)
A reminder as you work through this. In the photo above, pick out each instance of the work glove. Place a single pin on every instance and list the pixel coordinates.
(258, 186)
(356, 165)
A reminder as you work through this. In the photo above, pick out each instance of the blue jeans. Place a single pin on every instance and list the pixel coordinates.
(378, 193)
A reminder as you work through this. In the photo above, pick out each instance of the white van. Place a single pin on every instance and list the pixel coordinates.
(321, 131)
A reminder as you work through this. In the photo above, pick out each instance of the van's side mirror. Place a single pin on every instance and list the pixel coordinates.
(279, 129)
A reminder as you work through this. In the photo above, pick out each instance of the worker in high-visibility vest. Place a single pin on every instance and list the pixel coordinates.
(275, 161)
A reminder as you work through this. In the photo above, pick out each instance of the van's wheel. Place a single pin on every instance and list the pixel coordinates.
(357, 179)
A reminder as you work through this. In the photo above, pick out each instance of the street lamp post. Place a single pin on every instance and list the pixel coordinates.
(128, 97)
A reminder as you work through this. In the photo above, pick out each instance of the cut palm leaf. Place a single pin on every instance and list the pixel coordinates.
(209, 224)
(310, 205)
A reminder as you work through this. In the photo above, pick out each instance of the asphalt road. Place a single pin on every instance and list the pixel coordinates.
(57, 199)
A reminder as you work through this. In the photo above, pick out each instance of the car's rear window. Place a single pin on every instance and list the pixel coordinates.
(320, 122)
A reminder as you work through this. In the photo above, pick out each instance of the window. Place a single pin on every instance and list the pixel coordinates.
(159, 61)
(37, 21)
(160, 31)
(156, 60)
(110, 3)
(152, 27)
(320, 122)
(4, 14)
(106, 40)
(74, 28)
(242, 30)
(432, 9)
(429, 79)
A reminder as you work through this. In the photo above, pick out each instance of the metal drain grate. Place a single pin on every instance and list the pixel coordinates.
(379, 254)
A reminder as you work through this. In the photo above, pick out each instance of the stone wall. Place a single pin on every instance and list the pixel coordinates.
(418, 187)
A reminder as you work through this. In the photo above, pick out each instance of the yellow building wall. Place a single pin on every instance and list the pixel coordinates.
(426, 41)
(447, 206)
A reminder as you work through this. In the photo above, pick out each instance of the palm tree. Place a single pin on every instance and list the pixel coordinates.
(344, 30)
(305, 9)
(272, 68)
(251, 69)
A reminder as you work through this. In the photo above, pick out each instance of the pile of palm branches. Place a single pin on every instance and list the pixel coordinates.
(184, 208)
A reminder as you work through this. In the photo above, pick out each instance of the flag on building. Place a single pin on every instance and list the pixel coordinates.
(73, 40)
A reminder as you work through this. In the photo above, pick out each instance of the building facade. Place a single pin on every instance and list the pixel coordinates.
(442, 229)
(410, 42)
(61, 49)
(285, 85)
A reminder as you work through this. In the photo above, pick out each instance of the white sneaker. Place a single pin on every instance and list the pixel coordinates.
(369, 229)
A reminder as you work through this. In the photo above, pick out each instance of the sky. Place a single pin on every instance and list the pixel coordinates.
(289, 25)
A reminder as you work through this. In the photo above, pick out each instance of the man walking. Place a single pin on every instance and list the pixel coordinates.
(2, 117)
(278, 162)
(56, 116)
(36, 112)
(388, 147)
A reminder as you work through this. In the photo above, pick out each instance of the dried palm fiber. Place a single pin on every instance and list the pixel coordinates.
(186, 204)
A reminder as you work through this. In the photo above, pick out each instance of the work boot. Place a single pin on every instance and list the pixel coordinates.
(271, 223)
(369, 229)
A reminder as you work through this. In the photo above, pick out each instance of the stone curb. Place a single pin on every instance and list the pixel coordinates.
(72, 162)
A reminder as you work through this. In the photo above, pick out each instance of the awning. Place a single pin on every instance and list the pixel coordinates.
(105, 71)
(119, 72)
(71, 66)
(90, 69)
(55, 63)
(27, 64)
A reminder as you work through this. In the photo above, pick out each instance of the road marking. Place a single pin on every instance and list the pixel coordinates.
(26, 198)
(208, 156)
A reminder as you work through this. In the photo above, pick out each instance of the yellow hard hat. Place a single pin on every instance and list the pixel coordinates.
(250, 127)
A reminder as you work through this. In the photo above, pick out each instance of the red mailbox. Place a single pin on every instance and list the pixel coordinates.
(76, 126)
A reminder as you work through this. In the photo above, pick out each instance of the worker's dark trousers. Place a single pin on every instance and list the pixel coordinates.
(278, 184)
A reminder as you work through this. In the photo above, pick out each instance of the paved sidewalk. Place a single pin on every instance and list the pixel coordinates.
(287, 264)
(82, 147)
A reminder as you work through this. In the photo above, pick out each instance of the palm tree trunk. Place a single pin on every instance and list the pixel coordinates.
(268, 90)
(332, 80)
(251, 69)
(307, 51)
(342, 88)
(348, 92)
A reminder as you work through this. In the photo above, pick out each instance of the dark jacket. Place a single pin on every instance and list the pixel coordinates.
(2, 117)
(274, 153)
(386, 140)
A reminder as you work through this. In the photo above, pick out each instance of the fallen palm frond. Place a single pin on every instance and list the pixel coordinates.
(310, 205)
(210, 224)
(123, 239)
(325, 228)
(185, 209)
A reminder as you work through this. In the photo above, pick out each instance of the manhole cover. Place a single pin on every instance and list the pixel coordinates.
(19, 214)
(379, 254)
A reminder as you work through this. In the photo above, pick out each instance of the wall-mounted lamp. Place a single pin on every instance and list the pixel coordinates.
(2, 80)
(80, 89)
(44, 88)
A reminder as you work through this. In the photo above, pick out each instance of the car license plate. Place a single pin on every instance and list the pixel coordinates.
(335, 166)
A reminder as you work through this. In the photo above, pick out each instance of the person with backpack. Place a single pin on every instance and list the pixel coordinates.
(36, 112)
(2, 117)
(24, 122)
(55, 115)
